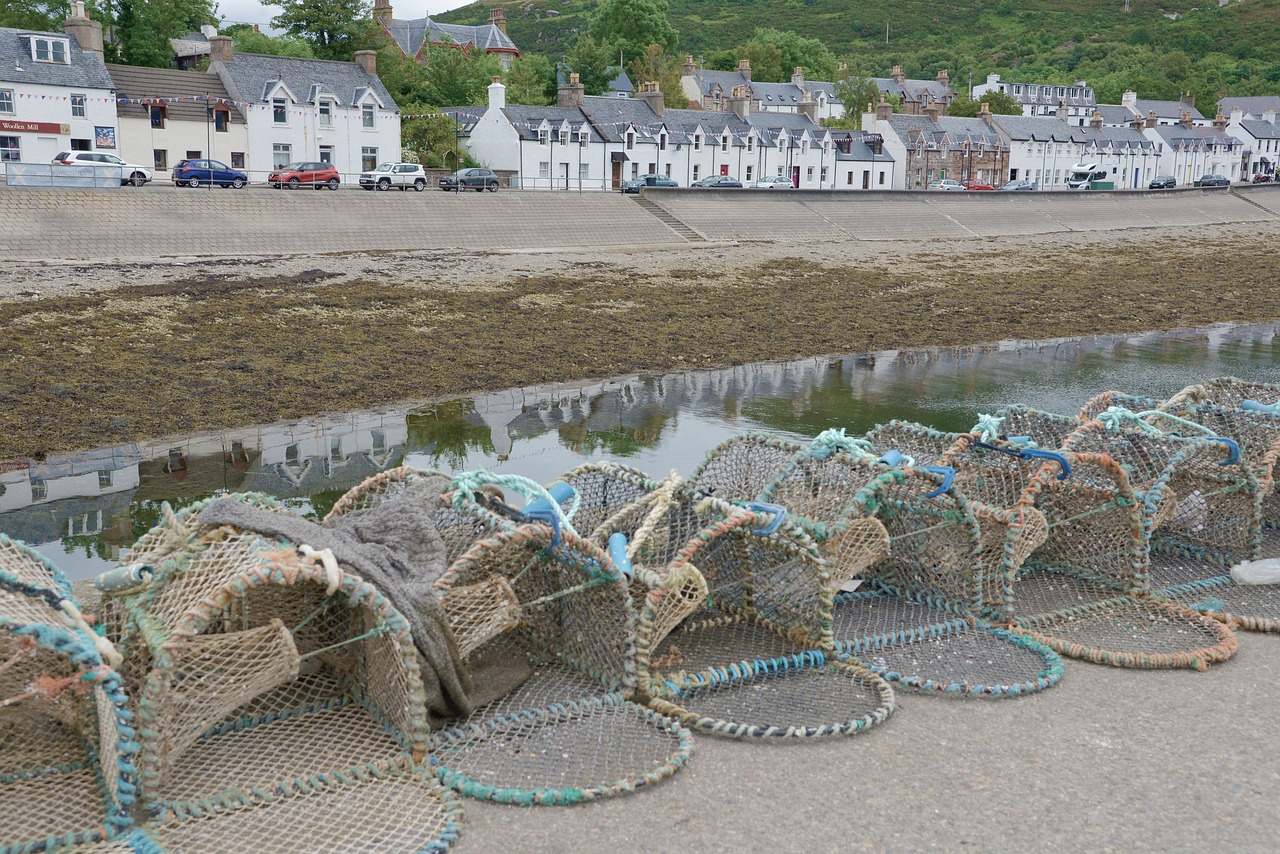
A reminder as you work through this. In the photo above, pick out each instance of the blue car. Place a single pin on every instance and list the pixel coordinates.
(193, 173)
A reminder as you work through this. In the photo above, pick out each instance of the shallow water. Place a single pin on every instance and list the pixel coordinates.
(82, 510)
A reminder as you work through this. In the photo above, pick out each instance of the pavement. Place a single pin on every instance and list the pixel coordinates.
(161, 221)
(1109, 760)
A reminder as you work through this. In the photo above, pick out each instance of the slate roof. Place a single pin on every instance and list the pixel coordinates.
(949, 131)
(914, 90)
(132, 81)
(1174, 135)
(858, 149)
(1166, 109)
(85, 71)
(411, 34)
(252, 75)
(1117, 139)
(527, 120)
(1033, 93)
(1033, 129)
(778, 94)
(621, 83)
(1253, 106)
(192, 44)
(1259, 129)
(1115, 114)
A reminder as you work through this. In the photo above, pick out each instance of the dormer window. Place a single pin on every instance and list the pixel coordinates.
(221, 117)
(159, 112)
(280, 111)
(631, 140)
(584, 137)
(697, 142)
(50, 50)
(544, 136)
(326, 114)
(724, 142)
(366, 116)
(564, 136)
(751, 143)
(662, 141)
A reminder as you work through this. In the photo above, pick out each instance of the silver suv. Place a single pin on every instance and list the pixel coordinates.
(130, 173)
(388, 175)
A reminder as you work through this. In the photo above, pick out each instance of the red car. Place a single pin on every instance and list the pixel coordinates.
(306, 174)
(976, 185)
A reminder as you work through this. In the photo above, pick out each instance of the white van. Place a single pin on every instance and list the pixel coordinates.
(1083, 174)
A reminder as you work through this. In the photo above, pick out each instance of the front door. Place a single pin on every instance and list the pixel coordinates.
(617, 175)
(866, 179)
(795, 176)
(724, 168)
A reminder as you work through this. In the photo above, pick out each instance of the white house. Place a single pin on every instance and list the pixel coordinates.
(167, 115)
(309, 109)
(1189, 151)
(1041, 99)
(597, 142)
(55, 93)
(1261, 140)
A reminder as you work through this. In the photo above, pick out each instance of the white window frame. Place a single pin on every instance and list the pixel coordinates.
(697, 169)
(697, 142)
(564, 135)
(631, 140)
(751, 143)
(368, 117)
(584, 172)
(747, 177)
(368, 158)
(325, 112)
(52, 48)
(6, 101)
(724, 143)
(278, 149)
(280, 112)
(544, 136)
(79, 106)
(544, 168)
(584, 137)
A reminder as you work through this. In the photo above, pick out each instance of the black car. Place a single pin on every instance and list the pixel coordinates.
(471, 179)
(1213, 181)
(1162, 182)
(719, 181)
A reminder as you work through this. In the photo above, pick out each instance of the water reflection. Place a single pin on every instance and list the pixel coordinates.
(81, 510)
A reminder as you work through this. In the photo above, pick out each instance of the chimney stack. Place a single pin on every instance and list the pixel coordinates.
(738, 102)
(652, 95)
(883, 109)
(809, 107)
(1220, 121)
(221, 49)
(1137, 123)
(1129, 100)
(1188, 101)
(933, 111)
(382, 12)
(943, 78)
(368, 60)
(1062, 112)
(497, 94)
(1152, 121)
(570, 95)
(1185, 120)
(797, 77)
(897, 75)
(1096, 121)
(985, 115)
(689, 67)
(87, 33)
(498, 17)
(744, 68)
(1269, 116)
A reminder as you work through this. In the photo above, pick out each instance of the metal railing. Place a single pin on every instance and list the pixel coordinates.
(83, 175)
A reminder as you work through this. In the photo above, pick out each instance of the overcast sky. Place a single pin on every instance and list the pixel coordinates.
(254, 12)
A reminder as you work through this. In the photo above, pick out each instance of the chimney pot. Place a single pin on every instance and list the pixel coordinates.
(87, 33)
(744, 68)
(689, 67)
(498, 17)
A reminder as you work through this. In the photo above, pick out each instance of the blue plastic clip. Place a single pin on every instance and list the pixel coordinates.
(1060, 459)
(948, 475)
(1255, 406)
(779, 514)
(559, 492)
(618, 553)
(549, 516)
(1234, 456)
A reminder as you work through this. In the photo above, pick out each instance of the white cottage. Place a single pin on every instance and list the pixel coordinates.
(55, 93)
(309, 109)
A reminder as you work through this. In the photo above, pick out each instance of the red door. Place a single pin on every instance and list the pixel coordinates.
(724, 168)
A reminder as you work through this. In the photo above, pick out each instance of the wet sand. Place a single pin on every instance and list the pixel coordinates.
(106, 353)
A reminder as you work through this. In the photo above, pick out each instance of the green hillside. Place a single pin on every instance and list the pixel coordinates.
(1209, 50)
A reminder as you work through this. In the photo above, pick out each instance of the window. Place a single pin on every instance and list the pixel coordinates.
(368, 159)
(192, 155)
(281, 154)
(631, 140)
(881, 182)
(237, 160)
(697, 142)
(544, 169)
(158, 112)
(6, 100)
(49, 50)
(326, 114)
(751, 143)
(280, 111)
(9, 149)
(160, 158)
(104, 478)
(652, 170)
(724, 142)
(38, 489)
(77, 106)
(366, 115)
(564, 136)
(326, 154)
(779, 171)
(850, 179)
(662, 141)
(584, 172)
(81, 145)
(808, 175)
(221, 118)
(291, 455)
(696, 171)
(635, 170)
(824, 174)
(667, 170)
(335, 448)
(544, 136)
(584, 137)
(749, 173)
(1017, 88)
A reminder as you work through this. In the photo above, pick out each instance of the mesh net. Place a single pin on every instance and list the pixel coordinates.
(252, 677)
(64, 746)
(1205, 589)
(559, 726)
(926, 648)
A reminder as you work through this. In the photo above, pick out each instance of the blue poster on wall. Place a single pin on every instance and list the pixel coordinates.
(104, 137)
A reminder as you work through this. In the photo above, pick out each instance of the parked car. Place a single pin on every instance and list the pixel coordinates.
(946, 184)
(471, 179)
(130, 173)
(1263, 178)
(976, 185)
(311, 173)
(633, 185)
(1162, 182)
(773, 182)
(388, 175)
(1016, 186)
(193, 173)
(1213, 181)
(718, 181)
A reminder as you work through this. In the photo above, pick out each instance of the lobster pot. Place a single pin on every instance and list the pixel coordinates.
(1047, 429)
(1253, 608)
(1197, 498)
(265, 678)
(603, 489)
(66, 745)
(739, 469)
(1228, 392)
(554, 675)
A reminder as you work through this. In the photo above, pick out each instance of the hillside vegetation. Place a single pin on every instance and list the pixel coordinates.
(1158, 49)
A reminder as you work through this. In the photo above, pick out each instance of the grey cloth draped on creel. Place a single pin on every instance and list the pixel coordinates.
(395, 547)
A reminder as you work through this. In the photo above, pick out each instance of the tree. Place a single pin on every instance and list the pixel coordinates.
(246, 39)
(432, 137)
(531, 81)
(144, 27)
(999, 103)
(666, 69)
(335, 29)
(457, 77)
(812, 56)
(631, 26)
(591, 60)
(856, 93)
(41, 15)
